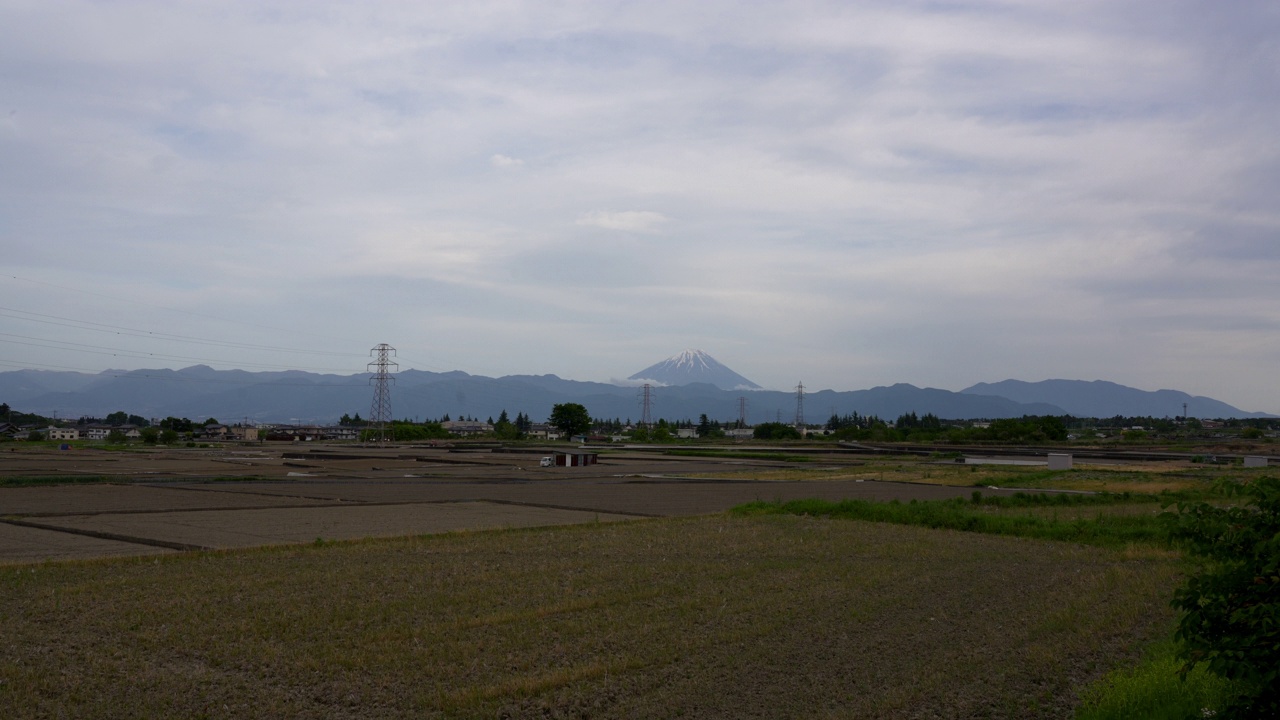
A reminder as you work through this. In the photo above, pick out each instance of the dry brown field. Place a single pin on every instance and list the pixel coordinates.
(419, 582)
(172, 500)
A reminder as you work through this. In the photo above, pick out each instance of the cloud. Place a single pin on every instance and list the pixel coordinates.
(637, 383)
(864, 193)
(503, 161)
(637, 221)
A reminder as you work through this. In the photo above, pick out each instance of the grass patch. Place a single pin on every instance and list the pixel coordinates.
(1104, 529)
(740, 454)
(718, 616)
(39, 480)
(1154, 478)
(33, 480)
(1155, 689)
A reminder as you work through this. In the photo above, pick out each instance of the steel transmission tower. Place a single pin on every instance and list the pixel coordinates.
(646, 405)
(799, 406)
(381, 367)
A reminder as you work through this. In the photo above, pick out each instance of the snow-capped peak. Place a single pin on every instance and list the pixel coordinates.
(694, 366)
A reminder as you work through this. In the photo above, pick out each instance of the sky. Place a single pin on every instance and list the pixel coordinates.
(844, 194)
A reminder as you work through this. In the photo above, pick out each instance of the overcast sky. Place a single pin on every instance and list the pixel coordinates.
(847, 194)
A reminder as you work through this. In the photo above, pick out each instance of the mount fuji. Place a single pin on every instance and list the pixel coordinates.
(694, 366)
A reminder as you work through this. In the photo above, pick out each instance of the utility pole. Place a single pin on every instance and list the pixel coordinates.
(646, 406)
(382, 367)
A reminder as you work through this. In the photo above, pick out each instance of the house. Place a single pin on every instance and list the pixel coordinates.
(242, 433)
(686, 432)
(95, 432)
(342, 432)
(467, 427)
(542, 431)
(8, 429)
(217, 431)
(100, 432)
(56, 433)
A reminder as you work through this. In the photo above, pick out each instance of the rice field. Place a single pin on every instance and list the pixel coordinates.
(712, 616)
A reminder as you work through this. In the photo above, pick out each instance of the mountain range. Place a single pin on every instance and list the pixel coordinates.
(200, 392)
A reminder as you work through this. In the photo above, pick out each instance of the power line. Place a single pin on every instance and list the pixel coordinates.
(156, 335)
(143, 355)
(160, 307)
(150, 334)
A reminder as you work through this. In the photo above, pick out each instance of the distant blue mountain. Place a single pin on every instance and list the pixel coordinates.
(294, 396)
(1100, 398)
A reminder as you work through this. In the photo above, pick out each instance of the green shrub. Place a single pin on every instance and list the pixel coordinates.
(1105, 529)
(1156, 690)
(1231, 607)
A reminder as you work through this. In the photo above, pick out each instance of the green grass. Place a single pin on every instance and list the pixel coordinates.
(33, 480)
(1105, 529)
(1155, 689)
(741, 454)
(39, 480)
(719, 616)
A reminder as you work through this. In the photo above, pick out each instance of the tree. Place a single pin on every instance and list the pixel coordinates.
(704, 425)
(150, 435)
(211, 421)
(1231, 608)
(571, 418)
(775, 431)
(176, 424)
(168, 436)
(117, 437)
(504, 429)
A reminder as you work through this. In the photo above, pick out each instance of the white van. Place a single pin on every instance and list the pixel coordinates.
(546, 462)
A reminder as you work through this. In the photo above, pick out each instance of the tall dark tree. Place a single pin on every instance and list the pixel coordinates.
(571, 418)
(704, 425)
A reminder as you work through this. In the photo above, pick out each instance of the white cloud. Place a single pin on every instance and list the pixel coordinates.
(503, 161)
(638, 221)
(864, 193)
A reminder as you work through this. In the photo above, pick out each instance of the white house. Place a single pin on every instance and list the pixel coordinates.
(55, 433)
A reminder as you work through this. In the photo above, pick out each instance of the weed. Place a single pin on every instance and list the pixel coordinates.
(1155, 689)
(1115, 530)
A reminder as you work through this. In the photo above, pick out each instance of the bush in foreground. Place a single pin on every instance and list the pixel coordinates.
(1231, 608)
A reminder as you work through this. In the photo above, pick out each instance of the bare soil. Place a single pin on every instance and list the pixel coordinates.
(603, 597)
(707, 617)
(168, 499)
